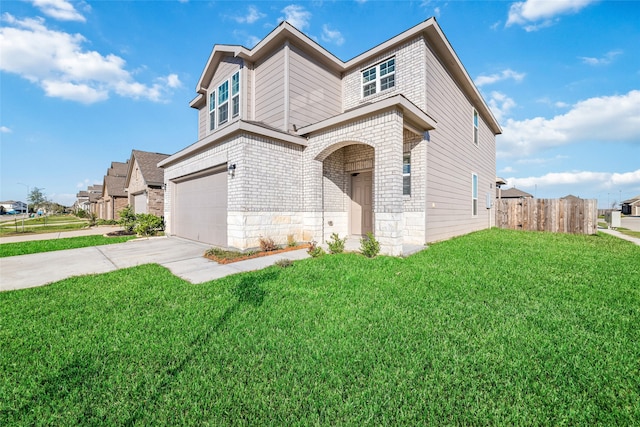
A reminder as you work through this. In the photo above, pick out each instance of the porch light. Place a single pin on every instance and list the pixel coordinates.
(232, 169)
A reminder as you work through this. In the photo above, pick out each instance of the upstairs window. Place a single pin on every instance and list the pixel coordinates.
(475, 127)
(223, 102)
(212, 110)
(379, 77)
(235, 95)
(227, 92)
(406, 174)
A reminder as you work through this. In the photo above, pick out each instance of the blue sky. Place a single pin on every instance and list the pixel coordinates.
(83, 83)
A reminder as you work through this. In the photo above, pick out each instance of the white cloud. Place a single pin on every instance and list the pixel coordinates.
(536, 14)
(332, 36)
(253, 14)
(500, 105)
(606, 119)
(59, 9)
(595, 180)
(605, 60)
(496, 77)
(4, 129)
(507, 169)
(57, 62)
(297, 16)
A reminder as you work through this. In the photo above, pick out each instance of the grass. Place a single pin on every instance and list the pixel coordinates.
(629, 232)
(51, 224)
(37, 246)
(497, 327)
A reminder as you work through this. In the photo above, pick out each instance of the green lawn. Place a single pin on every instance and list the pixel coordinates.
(37, 246)
(497, 327)
(48, 224)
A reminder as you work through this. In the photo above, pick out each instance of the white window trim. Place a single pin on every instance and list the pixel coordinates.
(474, 194)
(378, 79)
(215, 107)
(475, 122)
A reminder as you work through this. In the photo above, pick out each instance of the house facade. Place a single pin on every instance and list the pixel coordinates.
(114, 195)
(631, 206)
(293, 141)
(144, 182)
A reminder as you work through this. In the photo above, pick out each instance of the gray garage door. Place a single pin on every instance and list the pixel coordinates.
(200, 207)
(140, 203)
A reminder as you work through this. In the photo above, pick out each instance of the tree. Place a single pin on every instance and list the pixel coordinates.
(36, 198)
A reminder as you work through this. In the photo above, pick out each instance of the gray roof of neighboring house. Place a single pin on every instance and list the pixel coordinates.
(514, 193)
(571, 197)
(632, 200)
(118, 169)
(97, 188)
(148, 164)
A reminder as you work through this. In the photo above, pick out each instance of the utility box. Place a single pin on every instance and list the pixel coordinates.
(612, 218)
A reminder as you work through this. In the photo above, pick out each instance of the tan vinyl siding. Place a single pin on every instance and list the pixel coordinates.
(203, 119)
(452, 158)
(228, 65)
(315, 93)
(269, 90)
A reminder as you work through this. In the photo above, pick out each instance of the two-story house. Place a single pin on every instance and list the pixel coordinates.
(294, 141)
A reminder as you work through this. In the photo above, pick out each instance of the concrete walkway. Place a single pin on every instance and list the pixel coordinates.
(620, 235)
(184, 258)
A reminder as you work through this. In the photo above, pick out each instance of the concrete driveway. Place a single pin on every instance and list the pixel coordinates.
(184, 258)
(630, 222)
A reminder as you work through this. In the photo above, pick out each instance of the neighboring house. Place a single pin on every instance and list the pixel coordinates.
(571, 197)
(114, 196)
(293, 141)
(514, 193)
(631, 206)
(11, 206)
(82, 201)
(145, 182)
(95, 194)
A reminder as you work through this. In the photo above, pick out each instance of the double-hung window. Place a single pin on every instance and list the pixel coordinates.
(475, 127)
(235, 95)
(379, 77)
(406, 174)
(223, 102)
(212, 110)
(474, 194)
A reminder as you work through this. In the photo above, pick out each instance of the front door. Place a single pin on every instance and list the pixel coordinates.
(361, 220)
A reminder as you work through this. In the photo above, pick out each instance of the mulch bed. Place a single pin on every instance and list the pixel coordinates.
(120, 233)
(243, 257)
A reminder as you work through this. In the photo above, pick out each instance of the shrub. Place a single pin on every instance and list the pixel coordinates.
(336, 244)
(127, 218)
(314, 250)
(93, 219)
(81, 213)
(147, 224)
(267, 244)
(369, 246)
(291, 242)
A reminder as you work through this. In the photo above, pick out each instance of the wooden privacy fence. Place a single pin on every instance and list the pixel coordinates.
(579, 216)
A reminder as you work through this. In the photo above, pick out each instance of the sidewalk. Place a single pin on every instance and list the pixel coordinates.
(620, 235)
(182, 257)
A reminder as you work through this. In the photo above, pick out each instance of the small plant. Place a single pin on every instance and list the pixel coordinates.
(314, 250)
(284, 263)
(147, 225)
(267, 244)
(369, 246)
(291, 242)
(93, 219)
(336, 244)
(127, 218)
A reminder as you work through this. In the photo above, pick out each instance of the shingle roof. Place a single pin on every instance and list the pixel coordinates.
(118, 169)
(148, 163)
(115, 185)
(514, 193)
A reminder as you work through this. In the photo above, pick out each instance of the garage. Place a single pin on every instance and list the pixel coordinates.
(200, 206)
(140, 203)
